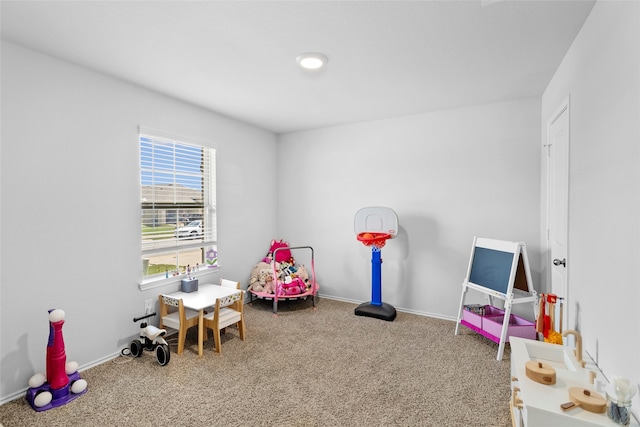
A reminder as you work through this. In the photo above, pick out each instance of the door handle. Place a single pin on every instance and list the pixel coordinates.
(562, 262)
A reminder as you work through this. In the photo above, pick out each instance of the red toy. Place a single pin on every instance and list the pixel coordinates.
(62, 383)
(284, 254)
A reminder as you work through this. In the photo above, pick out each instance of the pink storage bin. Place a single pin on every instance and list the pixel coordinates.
(475, 319)
(518, 327)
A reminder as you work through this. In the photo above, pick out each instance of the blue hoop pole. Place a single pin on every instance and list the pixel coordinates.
(376, 276)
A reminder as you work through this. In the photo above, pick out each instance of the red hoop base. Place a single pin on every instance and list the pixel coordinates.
(376, 239)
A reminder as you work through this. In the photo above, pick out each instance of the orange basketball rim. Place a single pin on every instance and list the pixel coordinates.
(373, 239)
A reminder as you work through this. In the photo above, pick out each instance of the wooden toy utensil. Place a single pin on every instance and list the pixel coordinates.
(586, 399)
(560, 328)
(541, 313)
(540, 372)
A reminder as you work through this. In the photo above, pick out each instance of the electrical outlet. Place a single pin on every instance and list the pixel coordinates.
(148, 306)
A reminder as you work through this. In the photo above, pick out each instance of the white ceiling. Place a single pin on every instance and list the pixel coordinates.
(386, 58)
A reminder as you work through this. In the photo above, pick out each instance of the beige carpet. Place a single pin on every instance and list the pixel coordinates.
(323, 367)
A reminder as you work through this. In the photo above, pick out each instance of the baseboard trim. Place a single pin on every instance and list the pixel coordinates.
(400, 309)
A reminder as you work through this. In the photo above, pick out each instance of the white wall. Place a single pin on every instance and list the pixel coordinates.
(69, 143)
(449, 175)
(601, 73)
(70, 205)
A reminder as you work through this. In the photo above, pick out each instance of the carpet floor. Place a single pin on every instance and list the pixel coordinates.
(305, 367)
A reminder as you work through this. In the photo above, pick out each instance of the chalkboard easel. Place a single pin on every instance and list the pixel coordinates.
(499, 269)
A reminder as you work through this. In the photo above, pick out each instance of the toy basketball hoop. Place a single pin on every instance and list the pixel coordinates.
(373, 227)
(376, 221)
(373, 239)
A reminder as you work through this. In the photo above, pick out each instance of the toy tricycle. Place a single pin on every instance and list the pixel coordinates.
(151, 338)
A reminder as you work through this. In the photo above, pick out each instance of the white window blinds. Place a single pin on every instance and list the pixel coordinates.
(177, 199)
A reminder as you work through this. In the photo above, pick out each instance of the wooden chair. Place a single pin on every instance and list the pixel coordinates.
(228, 311)
(229, 283)
(174, 315)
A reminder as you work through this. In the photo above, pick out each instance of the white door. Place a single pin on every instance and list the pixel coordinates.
(558, 205)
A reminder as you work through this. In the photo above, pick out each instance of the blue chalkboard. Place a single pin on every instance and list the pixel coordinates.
(491, 269)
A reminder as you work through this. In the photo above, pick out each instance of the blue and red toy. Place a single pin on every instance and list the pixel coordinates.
(373, 227)
(62, 383)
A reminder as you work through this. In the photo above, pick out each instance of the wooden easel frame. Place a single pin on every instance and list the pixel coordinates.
(518, 289)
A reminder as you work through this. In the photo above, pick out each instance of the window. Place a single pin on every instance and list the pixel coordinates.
(177, 201)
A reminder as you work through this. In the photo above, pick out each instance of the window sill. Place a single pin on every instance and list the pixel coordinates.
(157, 282)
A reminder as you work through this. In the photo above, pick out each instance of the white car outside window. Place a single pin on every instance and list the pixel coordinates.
(191, 230)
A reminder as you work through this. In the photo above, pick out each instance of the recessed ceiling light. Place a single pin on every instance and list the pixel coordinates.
(311, 61)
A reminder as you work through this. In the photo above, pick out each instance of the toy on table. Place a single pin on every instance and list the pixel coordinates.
(62, 383)
(373, 226)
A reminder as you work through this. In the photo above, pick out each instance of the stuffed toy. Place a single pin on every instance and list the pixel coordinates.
(303, 274)
(286, 269)
(290, 281)
(269, 287)
(264, 274)
(293, 287)
(268, 258)
(283, 254)
(254, 285)
(257, 280)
